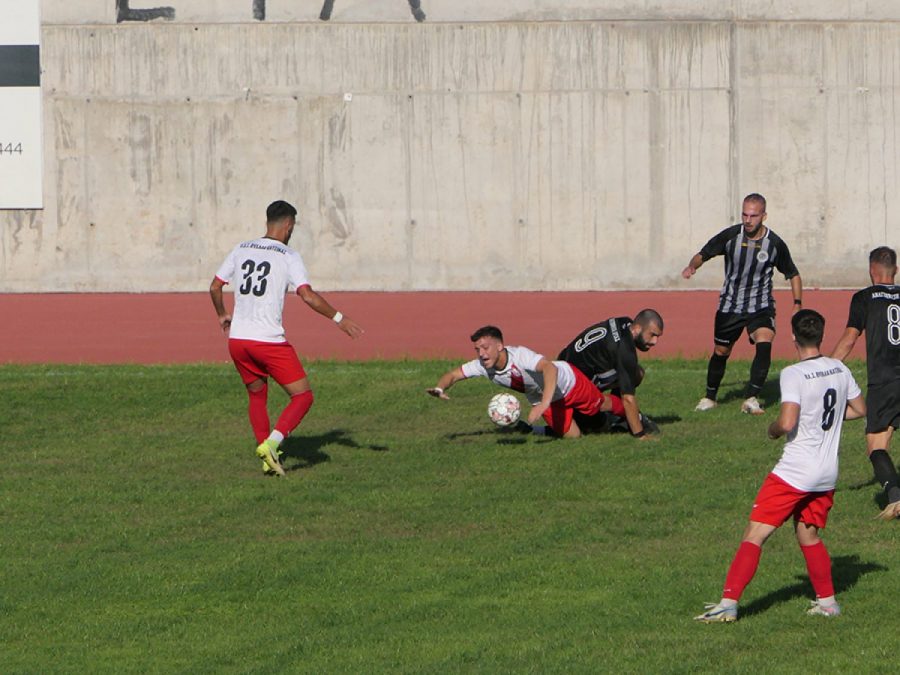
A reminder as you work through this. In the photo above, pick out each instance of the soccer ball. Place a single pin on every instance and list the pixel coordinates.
(504, 410)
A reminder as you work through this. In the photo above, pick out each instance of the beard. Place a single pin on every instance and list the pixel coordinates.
(753, 232)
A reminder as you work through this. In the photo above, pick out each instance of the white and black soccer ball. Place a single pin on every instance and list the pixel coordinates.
(504, 410)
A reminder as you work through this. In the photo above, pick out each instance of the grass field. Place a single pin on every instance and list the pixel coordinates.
(139, 534)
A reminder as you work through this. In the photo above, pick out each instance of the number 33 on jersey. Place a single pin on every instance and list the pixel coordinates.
(261, 272)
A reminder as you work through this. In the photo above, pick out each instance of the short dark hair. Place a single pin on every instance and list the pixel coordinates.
(487, 331)
(756, 197)
(809, 327)
(278, 210)
(883, 255)
(647, 316)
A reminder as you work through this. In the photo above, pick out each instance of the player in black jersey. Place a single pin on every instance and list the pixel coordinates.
(606, 353)
(752, 252)
(876, 312)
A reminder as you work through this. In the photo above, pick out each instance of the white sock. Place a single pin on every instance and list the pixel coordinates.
(276, 436)
(728, 602)
(828, 602)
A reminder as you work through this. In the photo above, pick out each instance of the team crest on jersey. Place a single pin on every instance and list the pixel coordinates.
(762, 256)
(589, 338)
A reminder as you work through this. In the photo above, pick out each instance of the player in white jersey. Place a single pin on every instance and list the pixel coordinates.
(555, 389)
(817, 394)
(262, 271)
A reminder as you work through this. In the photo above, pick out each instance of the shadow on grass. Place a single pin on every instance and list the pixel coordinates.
(846, 571)
(308, 449)
(472, 434)
(662, 420)
(864, 484)
(769, 396)
(879, 499)
(507, 436)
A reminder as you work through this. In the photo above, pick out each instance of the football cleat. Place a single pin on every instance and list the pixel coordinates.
(891, 511)
(718, 613)
(268, 470)
(267, 451)
(752, 407)
(818, 609)
(705, 404)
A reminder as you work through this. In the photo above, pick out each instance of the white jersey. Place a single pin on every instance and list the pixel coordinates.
(262, 271)
(521, 374)
(821, 386)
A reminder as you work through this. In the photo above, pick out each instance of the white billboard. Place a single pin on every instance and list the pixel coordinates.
(20, 105)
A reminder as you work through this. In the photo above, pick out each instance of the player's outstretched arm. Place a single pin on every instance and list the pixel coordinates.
(218, 301)
(320, 304)
(845, 345)
(692, 266)
(856, 408)
(788, 416)
(447, 380)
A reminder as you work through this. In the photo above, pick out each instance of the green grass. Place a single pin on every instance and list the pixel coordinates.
(139, 534)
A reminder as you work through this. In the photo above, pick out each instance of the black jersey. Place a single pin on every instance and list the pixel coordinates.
(606, 354)
(748, 268)
(876, 312)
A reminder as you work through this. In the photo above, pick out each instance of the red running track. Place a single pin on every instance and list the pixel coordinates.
(182, 328)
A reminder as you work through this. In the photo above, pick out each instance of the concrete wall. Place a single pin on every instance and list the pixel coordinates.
(557, 155)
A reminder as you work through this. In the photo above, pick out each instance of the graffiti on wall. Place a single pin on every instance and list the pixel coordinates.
(124, 11)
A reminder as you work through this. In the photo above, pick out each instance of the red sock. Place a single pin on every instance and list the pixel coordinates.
(818, 564)
(259, 414)
(617, 407)
(293, 414)
(742, 569)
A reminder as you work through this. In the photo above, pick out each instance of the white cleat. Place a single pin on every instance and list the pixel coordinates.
(891, 512)
(752, 407)
(705, 404)
(718, 613)
(818, 609)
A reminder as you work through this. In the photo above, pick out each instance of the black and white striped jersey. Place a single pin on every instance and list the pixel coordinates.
(748, 268)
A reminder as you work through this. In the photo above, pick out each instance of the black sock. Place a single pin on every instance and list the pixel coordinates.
(759, 369)
(714, 374)
(885, 474)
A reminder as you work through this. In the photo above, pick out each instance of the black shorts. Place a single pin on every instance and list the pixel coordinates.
(882, 407)
(730, 326)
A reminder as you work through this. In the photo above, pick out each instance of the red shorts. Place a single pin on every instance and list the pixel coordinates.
(584, 397)
(777, 501)
(256, 360)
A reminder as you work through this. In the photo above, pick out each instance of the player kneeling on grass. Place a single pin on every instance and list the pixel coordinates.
(606, 353)
(555, 389)
(817, 394)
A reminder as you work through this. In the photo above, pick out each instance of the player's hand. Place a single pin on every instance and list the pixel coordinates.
(437, 392)
(688, 272)
(647, 437)
(225, 323)
(536, 412)
(350, 327)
